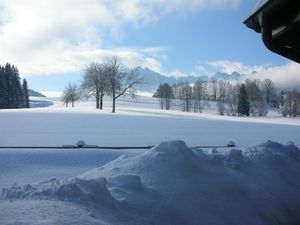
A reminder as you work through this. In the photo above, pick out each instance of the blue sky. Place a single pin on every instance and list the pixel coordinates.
(51, 41)
(204, 36)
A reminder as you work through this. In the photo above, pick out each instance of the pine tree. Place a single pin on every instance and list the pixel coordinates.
(11, 92)
(25, 94)
(17, 89)
(243, 103)
(4, 97)
(9, 86)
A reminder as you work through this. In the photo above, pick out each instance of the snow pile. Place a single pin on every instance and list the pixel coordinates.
(272, 150)
(173, 184)
(234, 159)
(171, 159)
(76, 190)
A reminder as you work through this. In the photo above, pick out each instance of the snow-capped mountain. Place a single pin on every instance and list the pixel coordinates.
(151, 79)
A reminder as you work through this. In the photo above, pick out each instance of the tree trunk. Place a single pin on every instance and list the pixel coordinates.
(101, 103)
(101, 100)
(114, 105)
(114, 102)
(97, 102)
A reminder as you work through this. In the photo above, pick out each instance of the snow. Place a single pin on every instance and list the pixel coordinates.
(137, 122)
(172, 183)
(231, 144)
(33, 165)
(37, 102)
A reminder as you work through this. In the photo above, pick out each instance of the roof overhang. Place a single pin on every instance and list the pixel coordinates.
(279, 23)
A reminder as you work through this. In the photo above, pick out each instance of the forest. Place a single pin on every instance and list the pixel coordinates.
(13, 94)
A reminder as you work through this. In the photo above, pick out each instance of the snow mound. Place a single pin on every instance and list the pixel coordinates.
(175, 148)
(126, 182)
(275, 151)
(167, 159)
(234, 159)
(173, 184)
(76, 190)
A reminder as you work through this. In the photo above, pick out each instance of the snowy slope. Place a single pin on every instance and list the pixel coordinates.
(131, 126)
(169, 184)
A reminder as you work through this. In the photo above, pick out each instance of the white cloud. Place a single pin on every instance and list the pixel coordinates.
(229, 67)
(201, 70)
(61, 35)
(176, 73)
(285, 76)
(74, 59)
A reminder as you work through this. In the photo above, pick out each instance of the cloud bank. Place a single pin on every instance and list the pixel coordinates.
(44, 37)
(285, 76)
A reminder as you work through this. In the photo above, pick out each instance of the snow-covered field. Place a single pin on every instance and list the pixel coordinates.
(138, 122)
(169, 184)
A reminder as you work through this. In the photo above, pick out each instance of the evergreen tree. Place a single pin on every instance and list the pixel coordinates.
(4, 97)
(18, 99)
(11, 92)
(8, 83)
(243, 103)
(3, 89)
(25, 94)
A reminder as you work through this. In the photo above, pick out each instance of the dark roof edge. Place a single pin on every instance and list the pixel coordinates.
(269, 6)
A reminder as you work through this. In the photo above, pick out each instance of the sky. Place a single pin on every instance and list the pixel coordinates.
(51, 41)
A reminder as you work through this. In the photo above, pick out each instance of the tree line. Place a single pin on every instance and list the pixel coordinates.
(13, 94)
(290, 103)
(100, 79)
(250, 98)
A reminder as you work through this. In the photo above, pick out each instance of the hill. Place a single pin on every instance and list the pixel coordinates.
(34, 93)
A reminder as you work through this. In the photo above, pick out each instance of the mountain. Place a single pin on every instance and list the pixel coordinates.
(226, 76)
(151, 79)
(34, 93)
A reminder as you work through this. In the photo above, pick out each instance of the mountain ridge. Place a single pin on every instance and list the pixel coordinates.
(152, 79)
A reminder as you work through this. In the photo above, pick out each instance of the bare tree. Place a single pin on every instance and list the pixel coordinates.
(269, 90)
(221, 107)
(65, 98)
(291, 105)
(165, 94)
(258, 106)
(222, 89)
(71, 94)
(175, 89)
(232, 99)
(159, 94)
(198, 95)
(213, 87)
(186, 94)
(95, 82)
(120, 81)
